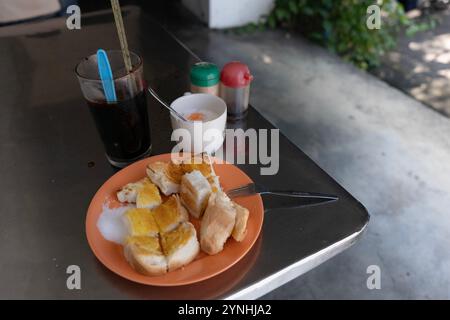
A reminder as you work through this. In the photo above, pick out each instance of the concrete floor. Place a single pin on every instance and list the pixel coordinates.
(419, 65)
(390, 151)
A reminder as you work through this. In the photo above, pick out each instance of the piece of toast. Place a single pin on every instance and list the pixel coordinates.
(169, 214)
(140, 222)
(240, 226)
(217, 223)
(195, 191)
(148, 196)
(128, 193)
(180, 245)
(166, 176)
(145, 255)
(202, 162)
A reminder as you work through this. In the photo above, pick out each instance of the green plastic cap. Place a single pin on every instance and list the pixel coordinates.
(204, 74)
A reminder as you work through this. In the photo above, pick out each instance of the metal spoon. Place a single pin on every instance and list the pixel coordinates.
(165, 104)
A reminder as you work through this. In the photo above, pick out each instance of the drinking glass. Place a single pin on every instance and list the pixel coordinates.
(123, 125)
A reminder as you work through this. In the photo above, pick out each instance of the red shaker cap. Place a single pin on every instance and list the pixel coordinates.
(235, 74)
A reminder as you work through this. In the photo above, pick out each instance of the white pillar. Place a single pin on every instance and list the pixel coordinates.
(220, 14)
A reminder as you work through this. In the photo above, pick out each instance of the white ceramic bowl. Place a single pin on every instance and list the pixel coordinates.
(199, 136)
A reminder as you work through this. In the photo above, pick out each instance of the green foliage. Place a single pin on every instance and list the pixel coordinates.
(425, 25)
(340, 25)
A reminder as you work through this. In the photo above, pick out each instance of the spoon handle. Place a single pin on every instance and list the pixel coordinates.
(106, 75)
(165, 104)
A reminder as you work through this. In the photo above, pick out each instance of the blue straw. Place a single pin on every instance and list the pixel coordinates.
(104, 69)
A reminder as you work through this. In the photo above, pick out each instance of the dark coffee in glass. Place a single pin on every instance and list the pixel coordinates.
(123, 124)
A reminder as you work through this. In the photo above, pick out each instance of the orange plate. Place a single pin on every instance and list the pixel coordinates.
(204, 266)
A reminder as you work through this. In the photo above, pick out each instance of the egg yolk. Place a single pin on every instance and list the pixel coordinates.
(196, 116)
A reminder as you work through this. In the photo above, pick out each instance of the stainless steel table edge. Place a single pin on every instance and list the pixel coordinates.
(295, 270)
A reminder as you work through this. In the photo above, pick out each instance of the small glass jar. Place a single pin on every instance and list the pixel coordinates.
(235, 81)
(205, 78)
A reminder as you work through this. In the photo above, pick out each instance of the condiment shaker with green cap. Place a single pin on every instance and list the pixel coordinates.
(205, 78)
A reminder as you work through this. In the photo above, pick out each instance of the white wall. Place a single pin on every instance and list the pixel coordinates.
(228, 13)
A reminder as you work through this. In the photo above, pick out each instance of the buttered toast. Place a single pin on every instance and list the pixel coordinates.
(195, 191)
(160, 236)
(140, 222)
(240, 226)
(153, 255)
(160, 239)
(169, 214)
(167, 176)
(180, 245)
(145, 255)
(217, 223)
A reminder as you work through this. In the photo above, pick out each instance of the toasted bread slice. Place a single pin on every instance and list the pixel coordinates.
(128, 193)
(197, 162)
(169, 214)
(148, 196)
(203, 164)
(180, 245)
(145, 255)
(140, 222)
(166, 176)
(240, 226)
(195, 191)
(217, 223)
(213, 179)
